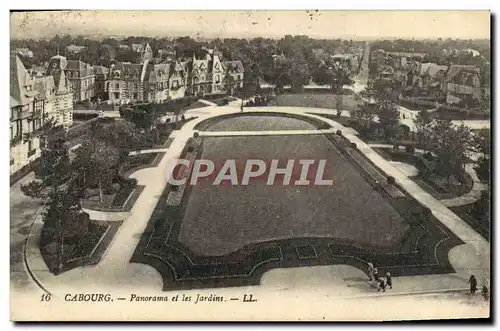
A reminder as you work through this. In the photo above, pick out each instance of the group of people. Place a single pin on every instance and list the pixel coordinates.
(386, 281)
(257, 101)
(381, 282)
(473, 288)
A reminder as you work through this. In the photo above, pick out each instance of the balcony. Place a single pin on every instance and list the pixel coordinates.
(32, 152)
(15, 140)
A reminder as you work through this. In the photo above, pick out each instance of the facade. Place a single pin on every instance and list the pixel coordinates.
(151, 81)
(178, 79)
(82, 78)
(233, 78)
(101, 76)
(464, 84)
(431, 78)
(138, 82)
(26, 116)
(206, 76)
(138, 48)
(80, 75)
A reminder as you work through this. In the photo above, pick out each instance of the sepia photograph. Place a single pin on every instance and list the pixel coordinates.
(250, 165)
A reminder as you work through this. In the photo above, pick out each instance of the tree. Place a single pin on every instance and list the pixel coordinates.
(423, 125)
(97, 163)
(64, 219)
(450, 144)
(118, 133)
(388, 119)
(482, 145)
(52, 171)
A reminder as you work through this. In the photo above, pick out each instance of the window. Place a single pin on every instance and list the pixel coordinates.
(117, 95)
(217, 79)
(239, 77)
(117, 85)
(136, 95)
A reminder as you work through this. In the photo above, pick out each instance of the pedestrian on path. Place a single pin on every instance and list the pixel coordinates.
(370, 270)
(473, 284)
(381, 284)
(485, 293)
(375, 274)
(389, 279)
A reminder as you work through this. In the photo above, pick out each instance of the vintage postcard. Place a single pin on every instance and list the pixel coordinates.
(303, 165)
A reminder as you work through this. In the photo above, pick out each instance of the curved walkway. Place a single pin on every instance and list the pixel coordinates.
(115, 273)
(470, 197)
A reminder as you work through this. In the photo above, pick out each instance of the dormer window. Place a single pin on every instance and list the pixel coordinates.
(117, 74)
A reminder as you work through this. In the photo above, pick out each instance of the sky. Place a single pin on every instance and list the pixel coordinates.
(248, 24)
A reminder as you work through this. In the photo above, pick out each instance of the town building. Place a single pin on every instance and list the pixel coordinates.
(206, 75)
(138, 82)
(348, 61)
(75, 49)
(430, 80)
(24, 52)
(464, 85)
(26, 116)
(178, 79)
(150, 81)
(101, 76)
(233, 78)
(138, 48)
(81, 76)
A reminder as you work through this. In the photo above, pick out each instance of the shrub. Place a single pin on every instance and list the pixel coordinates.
(339, 132)
(391, 180)
(353, 145)
(410, 149)
(196, 134)
(428, 156)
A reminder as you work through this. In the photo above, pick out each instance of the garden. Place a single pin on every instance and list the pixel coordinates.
(258, 227)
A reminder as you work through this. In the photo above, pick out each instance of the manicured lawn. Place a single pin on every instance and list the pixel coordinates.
(260, 123)
(229, 235)
(317, 100)
(241, 215)
(194, 105)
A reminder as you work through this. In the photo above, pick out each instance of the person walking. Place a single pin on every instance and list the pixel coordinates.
(473, 284)
(370, 270)
(389, 279)
(485, 293)
(381, 284)
(375, 274)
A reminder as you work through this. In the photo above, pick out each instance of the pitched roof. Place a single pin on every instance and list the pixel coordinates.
(45, 86)
(159, 71)
(101, 70)
(19, 81)
(431, 69)
(456, 68)
(85, 69)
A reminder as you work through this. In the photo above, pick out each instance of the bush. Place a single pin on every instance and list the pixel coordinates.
(196, 134)
(339, 132)
(353, 145)
(409, 149)
(391, 180)
(428, 156)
